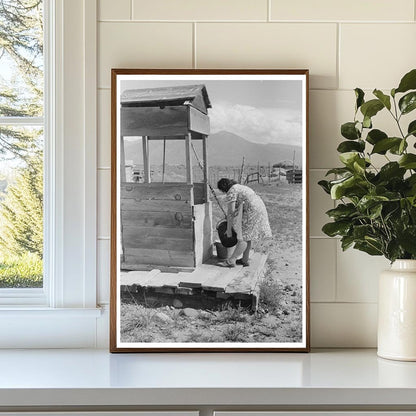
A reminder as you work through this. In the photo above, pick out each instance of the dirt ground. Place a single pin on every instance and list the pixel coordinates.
(279, 317)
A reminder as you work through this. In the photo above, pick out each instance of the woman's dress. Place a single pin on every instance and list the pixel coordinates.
(254, 219)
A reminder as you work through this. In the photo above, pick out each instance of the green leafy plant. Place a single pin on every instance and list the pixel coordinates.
(376, 210)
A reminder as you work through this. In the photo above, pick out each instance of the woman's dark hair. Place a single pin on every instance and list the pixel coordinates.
(224, 184)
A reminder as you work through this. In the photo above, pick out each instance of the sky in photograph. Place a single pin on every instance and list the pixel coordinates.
(261, 111)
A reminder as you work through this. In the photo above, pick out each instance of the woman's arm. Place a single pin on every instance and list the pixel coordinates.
(230, 217)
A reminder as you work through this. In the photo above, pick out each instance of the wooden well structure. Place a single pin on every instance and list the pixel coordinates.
(165, 225)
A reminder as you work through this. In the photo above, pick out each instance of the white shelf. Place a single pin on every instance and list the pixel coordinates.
(39, 378)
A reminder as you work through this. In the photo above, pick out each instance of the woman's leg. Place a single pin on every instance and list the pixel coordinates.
(246, 254)
(238, 251)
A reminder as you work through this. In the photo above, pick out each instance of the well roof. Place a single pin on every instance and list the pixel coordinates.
(195, 94)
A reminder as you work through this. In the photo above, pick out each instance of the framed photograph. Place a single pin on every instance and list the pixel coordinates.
(209, 211)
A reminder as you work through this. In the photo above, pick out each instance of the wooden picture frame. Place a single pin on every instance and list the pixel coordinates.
(175, 134)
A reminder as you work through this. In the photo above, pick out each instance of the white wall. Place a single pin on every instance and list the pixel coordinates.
(345, 44)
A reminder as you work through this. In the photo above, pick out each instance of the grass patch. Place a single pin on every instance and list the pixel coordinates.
(270, 294)
(235, 332)
(25, 271)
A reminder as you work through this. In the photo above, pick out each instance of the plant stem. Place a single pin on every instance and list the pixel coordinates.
(397, 118)
(387, 231)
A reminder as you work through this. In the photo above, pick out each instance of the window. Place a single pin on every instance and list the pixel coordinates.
(63, 313)
(21, 143)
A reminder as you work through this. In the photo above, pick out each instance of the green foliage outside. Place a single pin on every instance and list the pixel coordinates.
(376, 210)
(21, 213)
(21, 148)
(21, 271)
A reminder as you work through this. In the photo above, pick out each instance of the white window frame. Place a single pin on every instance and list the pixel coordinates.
(35, 296)
(28, 317)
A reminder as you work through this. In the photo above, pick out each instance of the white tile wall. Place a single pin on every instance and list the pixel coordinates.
(328, 110)
(142, 45)
(345, 44)
(331, 108)
(103, 271)
(270, 45)
(349, 325)
(114, 10)
(200, 10)
(104, 202)
(104, 128)
(387, 52)
(357, 275)
(323, 269)
(319, 201)
(369, 10)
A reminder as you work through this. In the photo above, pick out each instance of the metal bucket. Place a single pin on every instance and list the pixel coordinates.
(222, 230)
(222, 252)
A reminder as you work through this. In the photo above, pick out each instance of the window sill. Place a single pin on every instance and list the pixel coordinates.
(22, 297)
(40, 327)
(36, 312)
(323, 379)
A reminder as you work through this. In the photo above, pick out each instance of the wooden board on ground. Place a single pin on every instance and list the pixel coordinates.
(208, 281)
(138, 278)
(202, 273)
(165, 280)
(246, 282)
(220, 281)
(147, 267)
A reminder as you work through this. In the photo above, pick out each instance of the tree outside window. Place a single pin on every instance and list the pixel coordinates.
(21, 143)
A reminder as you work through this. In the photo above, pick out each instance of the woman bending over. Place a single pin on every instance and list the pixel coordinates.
(247, 214)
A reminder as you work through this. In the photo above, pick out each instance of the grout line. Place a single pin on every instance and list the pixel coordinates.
(336, 271)
(103, 238)
(104, 168)
(344, 303)
(341, 89)
(309, 22)
(350, 22)
(338, 63)
(338, 239)
(194, 63)
(319, 169)
(269, 10)
(131, 9)
(188, 21)
(414, 9)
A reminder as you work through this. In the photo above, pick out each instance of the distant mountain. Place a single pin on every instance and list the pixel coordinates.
(224, 149)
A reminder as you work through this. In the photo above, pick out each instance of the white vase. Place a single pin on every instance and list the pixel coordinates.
(397, 312)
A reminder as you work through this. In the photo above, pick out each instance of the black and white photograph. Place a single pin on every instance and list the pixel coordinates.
(209, 242)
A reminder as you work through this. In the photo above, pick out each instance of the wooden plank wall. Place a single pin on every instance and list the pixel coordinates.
(203, 232)
(198, 121)
(157, 226)
(200, 196)
(154, 121)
